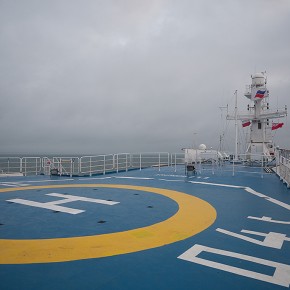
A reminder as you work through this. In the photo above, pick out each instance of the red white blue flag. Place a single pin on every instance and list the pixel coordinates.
(260, 94)
(277, 125)
(246, 123)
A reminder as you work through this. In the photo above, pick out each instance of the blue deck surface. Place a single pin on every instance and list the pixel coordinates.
(230, 257)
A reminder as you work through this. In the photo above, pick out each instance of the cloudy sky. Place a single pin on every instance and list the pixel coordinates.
(94, 77)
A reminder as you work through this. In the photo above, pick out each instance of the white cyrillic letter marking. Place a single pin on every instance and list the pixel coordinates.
(272, 239)
(281, 275)
(268, 219)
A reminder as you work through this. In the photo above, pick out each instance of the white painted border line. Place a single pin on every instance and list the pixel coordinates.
(280, 203)
(71, 198)
(50, 180)
(248, 189)
(129, 177)
(269, 219)
(280, 277)
(252, 191)
(217, 184)
(92, 178)
(170, 180)
(46, 206)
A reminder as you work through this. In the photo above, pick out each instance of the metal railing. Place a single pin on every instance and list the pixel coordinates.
(176, 159)
(283, 166)
(10, 165)
(122, 161)
(253, 160)
(66, 165)
(103, 164)
(31, 165)
(148, 159)
(217, 164)
(90, 165)
(24, 165)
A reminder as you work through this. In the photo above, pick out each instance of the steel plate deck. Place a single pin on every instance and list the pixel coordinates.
(227, 232)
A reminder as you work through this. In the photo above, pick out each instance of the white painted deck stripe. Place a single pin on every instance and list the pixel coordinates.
(90, 178)
(280, 277)
(50, 180)
(248, 189)
(70, 198)
(46, 206)
(128, 177)
(280, 203)
(268, 219)
(216, 184)
(171, 180)
(14, 184)
(252, 191)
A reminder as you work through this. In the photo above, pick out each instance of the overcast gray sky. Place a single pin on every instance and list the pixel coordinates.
(94, 77)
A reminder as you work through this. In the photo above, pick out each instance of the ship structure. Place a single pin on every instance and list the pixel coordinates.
(260, 118)
(151, 220)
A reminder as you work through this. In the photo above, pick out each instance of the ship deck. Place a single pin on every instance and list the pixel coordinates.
(148, 229)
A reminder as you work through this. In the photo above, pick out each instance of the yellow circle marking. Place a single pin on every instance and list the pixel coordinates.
(193, 216)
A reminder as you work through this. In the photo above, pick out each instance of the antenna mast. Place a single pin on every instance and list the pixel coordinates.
(260, 143)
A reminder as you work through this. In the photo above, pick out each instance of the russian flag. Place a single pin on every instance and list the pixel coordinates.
(246, 123)
(260, 94)
(277, 125)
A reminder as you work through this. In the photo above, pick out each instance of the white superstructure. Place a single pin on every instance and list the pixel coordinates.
(259, 118)
(202, 154)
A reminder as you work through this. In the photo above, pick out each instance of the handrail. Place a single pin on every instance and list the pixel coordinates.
(10, 164)
(107, 163)
(283, 166)
(31, 165)
(66, 165)
(96, 164)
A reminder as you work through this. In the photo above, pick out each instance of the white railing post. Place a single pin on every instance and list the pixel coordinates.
(262, 169)
(71, 167)
(8, 165)
(126, 162)
(140, 161)
(60, 166)
(104, 169)
(25, 167)
(131, 163)
(175, 163)
(90, 166)
(117, 163)
(20, 164)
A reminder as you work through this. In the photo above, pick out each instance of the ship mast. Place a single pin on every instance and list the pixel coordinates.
(236, 125)
(258, 118)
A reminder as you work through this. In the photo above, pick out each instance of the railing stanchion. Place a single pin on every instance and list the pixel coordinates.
(140, 161)
(126, 162)
(117, 163)
(104, 169)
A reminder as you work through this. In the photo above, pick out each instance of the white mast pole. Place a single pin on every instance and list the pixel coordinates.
(236, 125)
